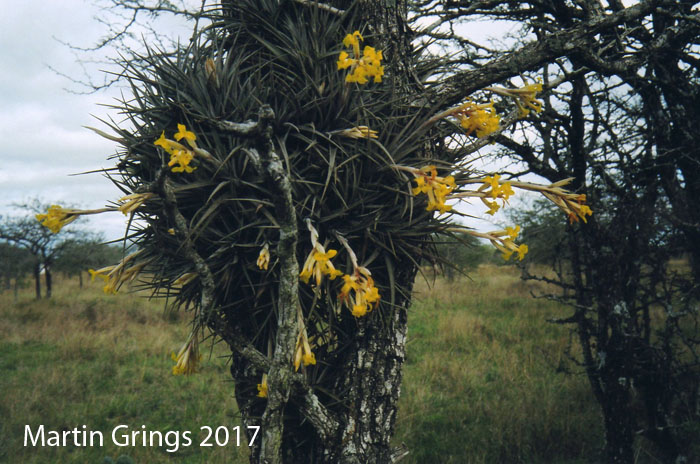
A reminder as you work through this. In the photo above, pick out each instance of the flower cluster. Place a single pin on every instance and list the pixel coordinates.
(524, 97)
(361, 67)
(504, 241)
(115, 276)
(437, 188)
(187, 358)
(57, 217)
(366, 296)
(180, 155)
(480, 119)
(131, 203)
(318, 263)
(493, 188)
(573, 204)
(579, 209)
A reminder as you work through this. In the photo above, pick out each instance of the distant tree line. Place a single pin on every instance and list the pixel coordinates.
(28, 248)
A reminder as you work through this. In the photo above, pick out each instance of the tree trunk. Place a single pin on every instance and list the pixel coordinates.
(37, 280)
(368, 379)
(16, 290)
(49, 282)
(80, 279)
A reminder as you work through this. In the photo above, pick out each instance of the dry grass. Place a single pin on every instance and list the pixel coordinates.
(480, 383)
(85, 358)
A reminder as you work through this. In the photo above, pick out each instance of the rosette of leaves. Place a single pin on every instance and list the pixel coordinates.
(282, 54)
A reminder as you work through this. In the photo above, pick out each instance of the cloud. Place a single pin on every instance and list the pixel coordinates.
(42, 141)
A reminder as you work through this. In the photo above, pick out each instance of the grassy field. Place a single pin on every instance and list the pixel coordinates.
(480, 381)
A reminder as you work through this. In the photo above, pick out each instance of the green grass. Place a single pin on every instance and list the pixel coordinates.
(84, 358)
(480, 381)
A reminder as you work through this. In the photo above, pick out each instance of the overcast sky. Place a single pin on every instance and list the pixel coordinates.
(42, 138)
(43, 141)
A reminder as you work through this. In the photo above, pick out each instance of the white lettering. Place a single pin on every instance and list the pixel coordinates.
(125, 436)
(34, 440)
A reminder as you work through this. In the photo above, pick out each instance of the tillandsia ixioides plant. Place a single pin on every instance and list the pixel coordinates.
(285, 190)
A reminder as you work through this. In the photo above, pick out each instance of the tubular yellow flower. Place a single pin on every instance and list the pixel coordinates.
(364, 296)
(56, 217)
(504, 241)
(264, 257)
(524, 97)
(359, 132)
(437, 188)
(131, 203)
(168, 145)
(115, 276)
(522, 251)
(182, 161)
(262, 387)
(187, 358)
(318, 264)
(302, 352)
(100, 273)
(183, 133)
(480, 119)
(513, 232)
(180, 155)
(361, 67)
(492, 187)
(353, 40)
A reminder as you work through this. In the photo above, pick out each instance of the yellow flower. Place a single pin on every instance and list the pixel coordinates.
(100, 273)
(479, 118)
(180, 156)
(187, 358)
(492, 187)
(318, 264)
(365, 295)
(353, 40)
(183, 133)
(493, 206)
(262, 387)
(361, 67)
(524, 97)
(492, 181)
(131, 203)
(302, 352)
(308, 358)
(504, 241)
(513, 232)
(437, 188)
(264, 257)
(182, 159)
(168, 145)
(344, 61)
(56, 217)
(522, 251)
